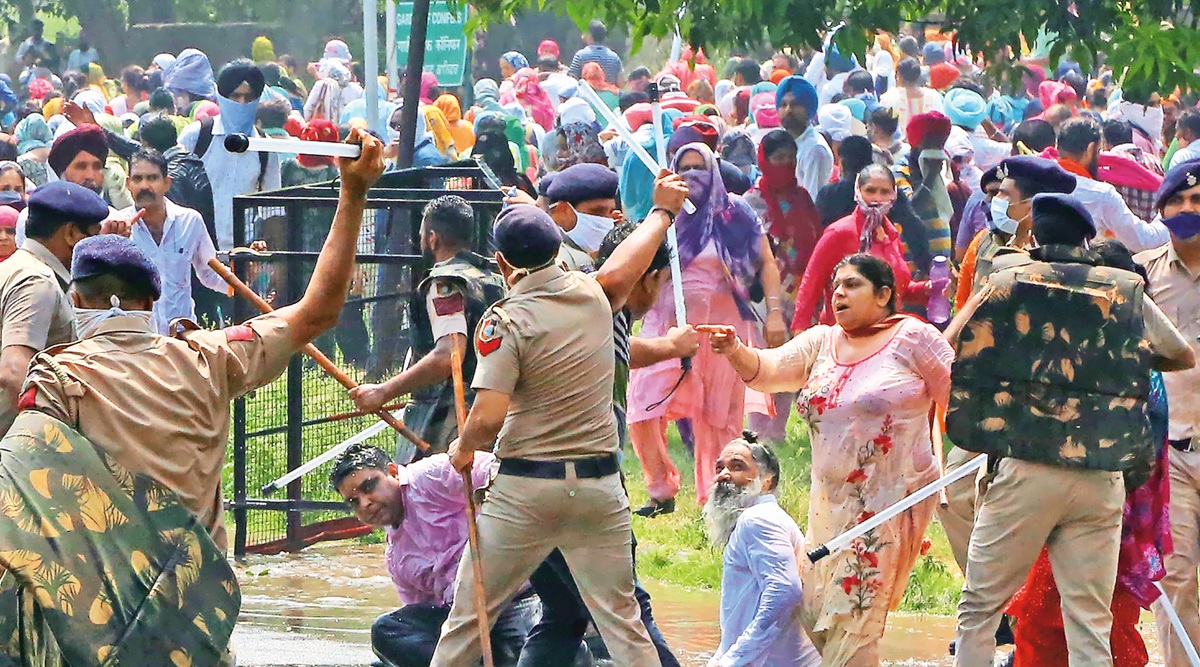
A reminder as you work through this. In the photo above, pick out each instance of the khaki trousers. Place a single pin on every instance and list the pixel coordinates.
(1077, 515)
(958, 516)
(523, 520)
(1181, 582)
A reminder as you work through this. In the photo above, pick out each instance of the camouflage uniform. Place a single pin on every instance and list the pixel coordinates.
(1052, 377)
(431, 412)
(103, 566)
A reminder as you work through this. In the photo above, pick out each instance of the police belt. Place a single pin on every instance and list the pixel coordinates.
(592, 467)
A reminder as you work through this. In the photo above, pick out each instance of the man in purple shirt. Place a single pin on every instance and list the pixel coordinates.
(422, 509)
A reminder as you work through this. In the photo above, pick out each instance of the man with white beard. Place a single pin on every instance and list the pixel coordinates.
(760, 587)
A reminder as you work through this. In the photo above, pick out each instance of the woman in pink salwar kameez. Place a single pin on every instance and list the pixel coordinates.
(723, 251)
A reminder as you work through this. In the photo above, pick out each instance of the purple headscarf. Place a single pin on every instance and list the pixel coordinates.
(721, 218)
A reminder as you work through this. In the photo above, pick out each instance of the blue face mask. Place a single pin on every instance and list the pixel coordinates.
(236, 117)
(1183, 226)
(1000, 221)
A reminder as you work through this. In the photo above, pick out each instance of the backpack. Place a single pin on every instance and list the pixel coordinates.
(205, 140)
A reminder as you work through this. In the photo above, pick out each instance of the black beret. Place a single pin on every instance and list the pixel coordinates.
(543, 187)
(1063, 211)
(113, 255)
(583, 182)
(989, 176)
(1180, 177)
(1045, 175)
(65, 201)
(527, 236)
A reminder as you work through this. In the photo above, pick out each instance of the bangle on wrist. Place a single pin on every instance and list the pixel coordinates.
(670, 215)
(757, 370)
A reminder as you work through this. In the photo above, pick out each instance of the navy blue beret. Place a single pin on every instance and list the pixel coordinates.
(68, 202)
(1044, 175)
(527, 236)
(989, 176)
(543, 187)
(583, 182)
(1180, 177)
(1050, 208)
(113, 255)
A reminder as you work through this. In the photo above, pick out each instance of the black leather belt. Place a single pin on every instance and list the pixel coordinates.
(1183, 444)
(593, 467)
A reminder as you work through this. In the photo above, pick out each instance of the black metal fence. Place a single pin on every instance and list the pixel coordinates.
(280, 426)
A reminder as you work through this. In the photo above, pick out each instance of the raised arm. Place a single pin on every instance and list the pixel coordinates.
(322, 302)
(630, 260)
(783, 369)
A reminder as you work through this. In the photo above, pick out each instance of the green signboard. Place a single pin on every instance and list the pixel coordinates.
(445, 41)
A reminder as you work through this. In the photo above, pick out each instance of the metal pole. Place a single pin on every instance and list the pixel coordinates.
(393, 73)
(371, 63)
(412, 82)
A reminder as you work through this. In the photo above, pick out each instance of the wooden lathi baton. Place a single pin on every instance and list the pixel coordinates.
(243, 290)
(460, 410)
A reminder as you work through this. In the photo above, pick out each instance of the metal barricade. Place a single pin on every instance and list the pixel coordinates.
(278, 427)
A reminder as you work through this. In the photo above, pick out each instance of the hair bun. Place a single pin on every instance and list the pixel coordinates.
(750, 436)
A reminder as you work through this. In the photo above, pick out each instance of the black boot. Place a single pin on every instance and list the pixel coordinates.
(656, 508)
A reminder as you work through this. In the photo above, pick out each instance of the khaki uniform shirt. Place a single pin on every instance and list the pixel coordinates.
(159, 405)
(571, 258)
(34, 309)
(1177, 293)
(549, 346)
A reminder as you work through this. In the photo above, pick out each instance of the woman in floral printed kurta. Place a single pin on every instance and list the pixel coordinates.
(866, 386)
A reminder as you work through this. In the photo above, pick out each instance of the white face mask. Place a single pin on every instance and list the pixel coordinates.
(590, 230)
(1001, 221)
(87, 320)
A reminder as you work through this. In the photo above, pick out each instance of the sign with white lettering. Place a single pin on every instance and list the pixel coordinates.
(445, 41)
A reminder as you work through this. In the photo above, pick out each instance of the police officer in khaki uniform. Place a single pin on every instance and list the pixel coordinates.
(160, 405)
(1051, 380)
(544, 386)
(34, 310)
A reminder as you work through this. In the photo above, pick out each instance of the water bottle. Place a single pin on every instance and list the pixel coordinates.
(938, 308)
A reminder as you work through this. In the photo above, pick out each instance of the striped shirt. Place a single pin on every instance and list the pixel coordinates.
(596, 53)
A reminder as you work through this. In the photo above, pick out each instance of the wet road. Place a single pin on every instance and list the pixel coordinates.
(316, 608)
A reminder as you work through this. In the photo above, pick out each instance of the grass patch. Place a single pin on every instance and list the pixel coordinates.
(672, 549)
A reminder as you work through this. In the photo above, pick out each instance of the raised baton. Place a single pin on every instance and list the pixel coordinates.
(660, 143)
(240, 143)
(930, 489)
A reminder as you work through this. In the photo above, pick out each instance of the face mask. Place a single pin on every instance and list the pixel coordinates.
(236, 117)
(1000, 221)
(1183, 226)
(590, 230)
(873, 211)
(87, 320)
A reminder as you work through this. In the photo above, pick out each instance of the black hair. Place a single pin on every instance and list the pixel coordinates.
(1118, 131)
(749, 70)
(1098, 99)
(548, 63)
(662, 256)
(271, 73)
(1037, 135)
(908, 70)
(639, 73)
(1076, 82)
(134, 77)
(162, 100)
(159, 133)
(154, 81)
(274, 113)
(860, 81)
(877, 272)
(1113, 253)
(764, 457)
(777, 140)
(153, 157)
(1190, 121)
(359, 456)
(969, 83)
(629, 99)
(597, 31)
(855, 153)
(1077, 134)
(870, 170)
(885, 119)
(452, 218)
(8, 151)
(101, 287)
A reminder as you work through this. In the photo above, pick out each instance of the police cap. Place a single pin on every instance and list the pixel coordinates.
(113, 255)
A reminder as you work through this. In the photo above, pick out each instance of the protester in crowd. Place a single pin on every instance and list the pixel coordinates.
(723, 251)
(1172, 270)
(763, 547)
(83, 55)
(920, 176)
(190, 80)
(1187, 133)
(909, 98)
(460, 130)
(133, 83)
(596, 51)
(1118, 140)
(836, 200)
(492, 144)
(33, 148)
(883, 128)
(796, 100)
(8, 230)
(173, 237)
(12, 178)
(239, 86)
(976, 213)
(866, 385)
(967, 111)
(867, 230)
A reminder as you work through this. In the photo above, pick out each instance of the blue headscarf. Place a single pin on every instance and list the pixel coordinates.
(191, 73)
(637, 182)
(518, 61)
(803, 91)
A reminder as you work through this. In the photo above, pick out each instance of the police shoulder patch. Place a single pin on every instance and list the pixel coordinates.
(237, 333)
(489, 333)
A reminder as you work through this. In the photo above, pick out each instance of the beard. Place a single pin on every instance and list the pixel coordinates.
(725, 504)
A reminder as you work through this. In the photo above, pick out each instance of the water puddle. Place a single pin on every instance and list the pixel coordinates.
(316, 608)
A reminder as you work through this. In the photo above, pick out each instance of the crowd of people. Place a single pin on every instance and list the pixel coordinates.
(891, 242)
